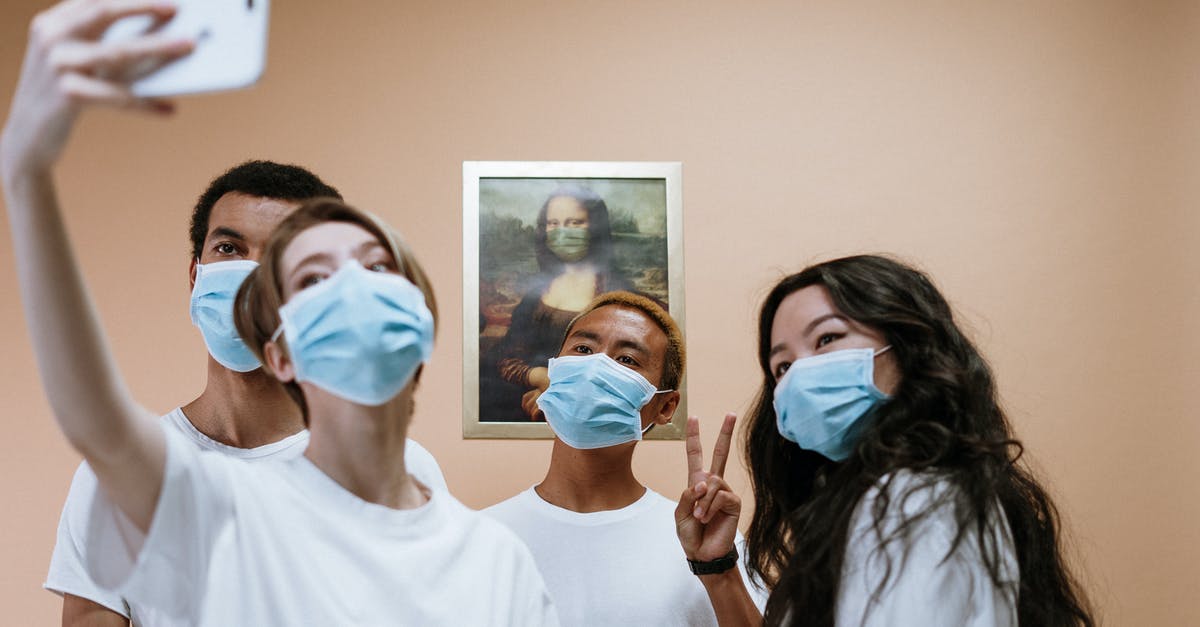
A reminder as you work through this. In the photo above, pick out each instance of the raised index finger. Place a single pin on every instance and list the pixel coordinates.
(724, 442)
(695, 454)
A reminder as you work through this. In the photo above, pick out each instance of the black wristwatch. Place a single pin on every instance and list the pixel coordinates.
(714, 567)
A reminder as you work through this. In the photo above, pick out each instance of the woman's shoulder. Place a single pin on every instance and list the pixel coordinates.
(927, 507)
(906, 562)
(907, 492)
(907, 503)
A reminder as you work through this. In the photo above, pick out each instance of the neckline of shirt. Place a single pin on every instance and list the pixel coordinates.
(418, 521)
(590, 519)
(185, 426)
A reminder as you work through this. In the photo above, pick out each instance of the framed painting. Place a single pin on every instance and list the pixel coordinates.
(540, 241)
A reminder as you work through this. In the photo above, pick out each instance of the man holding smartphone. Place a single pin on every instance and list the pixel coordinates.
(242, 412)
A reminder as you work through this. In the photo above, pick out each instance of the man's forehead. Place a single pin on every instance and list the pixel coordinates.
(621, 322)
(247, 215)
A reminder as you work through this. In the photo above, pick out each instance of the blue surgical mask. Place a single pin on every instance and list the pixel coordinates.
(823, 403)
(594, 402)
(212, 310)
(359, 335)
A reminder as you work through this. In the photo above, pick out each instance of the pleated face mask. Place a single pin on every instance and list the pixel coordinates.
(212, 311)
(594, 402)
(568, 243)
(359, 335)
(823, 403)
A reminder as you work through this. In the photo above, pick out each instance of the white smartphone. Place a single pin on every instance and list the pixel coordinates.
(231, 46)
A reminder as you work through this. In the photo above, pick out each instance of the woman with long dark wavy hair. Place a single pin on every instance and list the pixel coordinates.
(886, 483)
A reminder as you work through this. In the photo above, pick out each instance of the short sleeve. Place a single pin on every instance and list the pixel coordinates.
(923, 588)
(68, 572)
(167, 568)
(420, 463)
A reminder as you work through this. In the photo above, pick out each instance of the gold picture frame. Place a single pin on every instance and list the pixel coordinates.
(506, 262)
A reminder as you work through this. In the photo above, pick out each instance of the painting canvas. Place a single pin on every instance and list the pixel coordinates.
(540, 241)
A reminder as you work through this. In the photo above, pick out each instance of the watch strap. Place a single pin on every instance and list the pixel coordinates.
(714, 567)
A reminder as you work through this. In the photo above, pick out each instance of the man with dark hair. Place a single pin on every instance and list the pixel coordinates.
(606, 544)
(242, 412)
(263, 179)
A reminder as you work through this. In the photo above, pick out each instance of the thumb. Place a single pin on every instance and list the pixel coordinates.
(687, 501)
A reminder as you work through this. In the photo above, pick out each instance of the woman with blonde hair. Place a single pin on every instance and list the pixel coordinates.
(341, 313)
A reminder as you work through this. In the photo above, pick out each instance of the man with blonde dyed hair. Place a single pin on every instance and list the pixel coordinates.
(606, 544)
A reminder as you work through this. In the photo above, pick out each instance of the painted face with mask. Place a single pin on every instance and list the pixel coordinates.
(567, 234)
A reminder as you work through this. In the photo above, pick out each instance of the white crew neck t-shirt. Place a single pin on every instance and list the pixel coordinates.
(928, 585)
(281, 543)
(616, 567)
(80, 533)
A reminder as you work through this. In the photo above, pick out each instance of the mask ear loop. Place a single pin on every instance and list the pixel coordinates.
(883, 350)
(652, 423)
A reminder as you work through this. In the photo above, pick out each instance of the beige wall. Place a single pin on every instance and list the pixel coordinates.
(1037, 158)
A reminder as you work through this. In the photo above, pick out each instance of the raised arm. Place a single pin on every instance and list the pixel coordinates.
(67, 68)
(706, 522)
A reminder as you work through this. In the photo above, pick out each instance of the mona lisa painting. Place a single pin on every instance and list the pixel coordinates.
(540, 241)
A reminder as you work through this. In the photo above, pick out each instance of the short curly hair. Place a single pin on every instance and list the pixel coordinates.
(676, 357)
(265, 179)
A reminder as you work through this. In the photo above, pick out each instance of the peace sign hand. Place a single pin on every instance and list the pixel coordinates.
(708, 511)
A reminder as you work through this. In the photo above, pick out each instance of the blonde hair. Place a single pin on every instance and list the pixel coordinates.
(676, 357)
(256, 308)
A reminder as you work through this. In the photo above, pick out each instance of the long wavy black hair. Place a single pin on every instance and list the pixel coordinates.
(943, 419)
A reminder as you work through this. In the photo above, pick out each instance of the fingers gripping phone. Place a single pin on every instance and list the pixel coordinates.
(230, 53)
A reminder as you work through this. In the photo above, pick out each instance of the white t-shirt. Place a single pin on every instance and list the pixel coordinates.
(281, 543)
(617, 567)
(80, 533)
(926, 587)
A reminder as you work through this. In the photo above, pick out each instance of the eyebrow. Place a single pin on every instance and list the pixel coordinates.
(829, 316)
(587, 335)
(320, 257)
(808, 329)
(313, 258)
(370, 244)
(224, 231)
(634, 346)
(630, 344)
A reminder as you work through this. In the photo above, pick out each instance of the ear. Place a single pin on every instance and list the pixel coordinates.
(278, 362)
(192, 274)
(667, 410)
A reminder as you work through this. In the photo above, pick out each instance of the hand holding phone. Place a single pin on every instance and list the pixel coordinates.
(230, 46)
